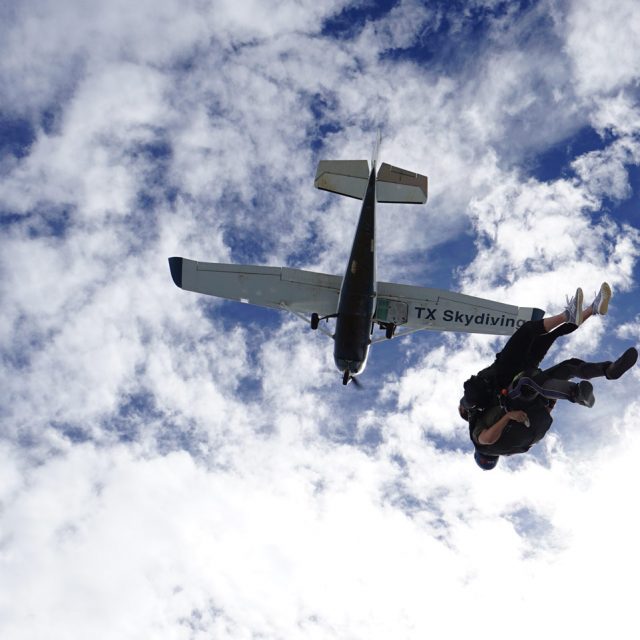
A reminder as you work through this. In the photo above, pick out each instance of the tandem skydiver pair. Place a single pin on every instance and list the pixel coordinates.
(508, 405)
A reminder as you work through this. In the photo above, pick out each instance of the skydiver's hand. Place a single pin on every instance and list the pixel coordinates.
(518, 416)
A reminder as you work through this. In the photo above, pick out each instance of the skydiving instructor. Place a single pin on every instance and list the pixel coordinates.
(508, 405)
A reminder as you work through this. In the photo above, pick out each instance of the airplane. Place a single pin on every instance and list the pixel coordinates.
(356, 300)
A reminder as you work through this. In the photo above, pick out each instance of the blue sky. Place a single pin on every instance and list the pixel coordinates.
(175, 466)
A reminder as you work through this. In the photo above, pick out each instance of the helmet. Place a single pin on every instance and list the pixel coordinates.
(485, 461)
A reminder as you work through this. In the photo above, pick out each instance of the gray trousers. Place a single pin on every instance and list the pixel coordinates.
(554, 383)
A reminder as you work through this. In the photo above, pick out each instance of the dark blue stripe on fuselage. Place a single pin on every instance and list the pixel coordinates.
(356, 304)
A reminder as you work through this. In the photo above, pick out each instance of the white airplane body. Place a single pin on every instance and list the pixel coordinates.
(356, 300)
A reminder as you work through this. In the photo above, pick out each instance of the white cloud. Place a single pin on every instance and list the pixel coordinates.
(599, 42)
(630, 329)
(47, 50)
(136, 544)
(619, 113)
(604, 172)
(538, 241)
(399, 29)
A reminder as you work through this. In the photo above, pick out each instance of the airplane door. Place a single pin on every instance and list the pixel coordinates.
(391, 312)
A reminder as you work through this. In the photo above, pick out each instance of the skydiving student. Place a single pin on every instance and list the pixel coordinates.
(508, 404)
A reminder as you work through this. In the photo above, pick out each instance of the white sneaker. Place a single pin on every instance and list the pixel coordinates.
(600, 305)
(573, 310)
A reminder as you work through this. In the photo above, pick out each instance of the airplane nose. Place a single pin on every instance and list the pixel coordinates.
(353, 367)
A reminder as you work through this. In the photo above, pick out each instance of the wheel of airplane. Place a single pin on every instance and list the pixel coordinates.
(315, 320)
(345, 377)
(389, 331)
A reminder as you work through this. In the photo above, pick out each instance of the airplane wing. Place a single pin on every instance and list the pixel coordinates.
(408, 307)
(415, 308)
(275, 287)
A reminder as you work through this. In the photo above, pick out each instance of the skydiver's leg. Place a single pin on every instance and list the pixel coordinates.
(554, 382)
(542, 344)
(574, 368)
(580, 393)
(510, 361)
(549, 324)
(553, 389)
(528, 345)
(555, 329)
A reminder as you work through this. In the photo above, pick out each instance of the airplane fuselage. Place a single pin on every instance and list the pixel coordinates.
(357, 301)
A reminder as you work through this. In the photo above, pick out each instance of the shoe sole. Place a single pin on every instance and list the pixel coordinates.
(618, 368)
(585, 394)
(605, 293)
(578, 302)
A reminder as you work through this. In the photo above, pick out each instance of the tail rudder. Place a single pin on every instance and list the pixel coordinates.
(376, 149)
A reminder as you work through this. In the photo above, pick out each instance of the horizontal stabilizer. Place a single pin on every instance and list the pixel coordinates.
(399, 185)
(346, 177)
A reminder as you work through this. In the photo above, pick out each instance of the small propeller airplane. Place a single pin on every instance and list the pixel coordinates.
(357, 301)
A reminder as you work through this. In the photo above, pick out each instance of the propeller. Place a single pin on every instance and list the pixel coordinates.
(347, 377)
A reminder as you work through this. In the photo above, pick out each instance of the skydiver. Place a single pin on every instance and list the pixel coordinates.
(495, 399)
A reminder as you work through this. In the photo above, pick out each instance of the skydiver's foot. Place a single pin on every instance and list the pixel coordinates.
(583, 394)
(600, 304)
(622, 364)
(573, 310)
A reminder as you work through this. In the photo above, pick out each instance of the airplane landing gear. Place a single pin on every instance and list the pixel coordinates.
(389, 329)
(346, 377)
(315, 319)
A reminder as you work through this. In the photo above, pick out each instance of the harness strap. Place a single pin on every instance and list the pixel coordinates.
(561, 390)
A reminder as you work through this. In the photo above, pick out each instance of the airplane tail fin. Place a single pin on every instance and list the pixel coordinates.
(401, 186)
(376, 149)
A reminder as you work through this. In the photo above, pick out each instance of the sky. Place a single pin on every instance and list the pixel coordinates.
(174, 466)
